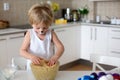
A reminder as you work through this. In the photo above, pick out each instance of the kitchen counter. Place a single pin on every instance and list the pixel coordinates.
(101, 25)
(62, 75)
(82, 23)
(23, 28)
(10, 31)
(15, 29)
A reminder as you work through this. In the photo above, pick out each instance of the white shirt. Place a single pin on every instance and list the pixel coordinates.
(42, 48)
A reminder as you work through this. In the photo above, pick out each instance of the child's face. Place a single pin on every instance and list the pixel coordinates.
(40, 28)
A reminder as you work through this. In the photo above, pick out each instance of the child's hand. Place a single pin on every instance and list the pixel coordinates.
(36, 60)
(53, 60)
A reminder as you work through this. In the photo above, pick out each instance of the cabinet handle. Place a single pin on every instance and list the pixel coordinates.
(60, 30)
(116, 30)
(115, 38)
(116, 52)
(16, 37)
(95, 34)
(2, 39)
(91, 30)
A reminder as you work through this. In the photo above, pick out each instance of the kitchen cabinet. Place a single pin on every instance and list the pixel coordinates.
(13, 45)
(114, 41)
(9, 47)
(93, 40)
(3, 50)
(70, 37)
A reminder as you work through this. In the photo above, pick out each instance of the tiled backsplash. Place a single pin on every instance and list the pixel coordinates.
(102, 9)
(110, 9)
(17, 15)
(76, 4)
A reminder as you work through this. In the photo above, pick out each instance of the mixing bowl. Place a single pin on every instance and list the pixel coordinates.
(44, 72)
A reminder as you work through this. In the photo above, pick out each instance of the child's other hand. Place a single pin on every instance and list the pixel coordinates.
(52, 61)
(36, 60)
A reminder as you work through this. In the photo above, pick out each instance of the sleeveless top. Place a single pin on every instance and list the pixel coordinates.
(42, 48)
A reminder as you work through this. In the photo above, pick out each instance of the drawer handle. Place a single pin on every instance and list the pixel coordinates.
(116, 52)
(116, 30)
(91, 30)
(2, 39)
(95, 34)
(115, 38)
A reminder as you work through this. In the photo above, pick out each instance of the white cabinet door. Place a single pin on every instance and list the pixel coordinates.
(13, 45)
(93, 40)
(100, 42)
(86, 41)
(3, 53)
(70, 37)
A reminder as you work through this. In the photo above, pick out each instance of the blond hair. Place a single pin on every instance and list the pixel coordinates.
(40, 13)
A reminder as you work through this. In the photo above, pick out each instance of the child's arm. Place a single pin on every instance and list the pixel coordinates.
(24, 50)
(59, 51)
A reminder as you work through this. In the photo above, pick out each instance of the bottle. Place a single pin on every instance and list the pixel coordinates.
(98, 19)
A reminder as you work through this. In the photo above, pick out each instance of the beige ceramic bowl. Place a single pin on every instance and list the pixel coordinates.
(44, 72)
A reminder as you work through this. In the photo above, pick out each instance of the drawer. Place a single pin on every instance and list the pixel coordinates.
(114, 42)
(114, 51)
(114, 31)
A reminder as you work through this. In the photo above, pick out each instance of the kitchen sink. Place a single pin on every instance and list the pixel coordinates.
(103, 22)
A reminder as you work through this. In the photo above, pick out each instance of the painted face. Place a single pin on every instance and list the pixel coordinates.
(40, 28)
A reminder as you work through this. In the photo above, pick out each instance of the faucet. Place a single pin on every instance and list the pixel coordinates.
(108, 17)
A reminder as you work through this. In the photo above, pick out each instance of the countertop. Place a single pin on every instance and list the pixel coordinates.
(62, 75)
(24, 28)
(11, 31)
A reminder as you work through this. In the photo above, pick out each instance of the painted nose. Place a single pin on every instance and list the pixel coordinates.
(41, 31)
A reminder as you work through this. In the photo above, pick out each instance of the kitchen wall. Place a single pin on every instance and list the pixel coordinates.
(103, 9)
(111, 9)
(76, 4)
(17, 15)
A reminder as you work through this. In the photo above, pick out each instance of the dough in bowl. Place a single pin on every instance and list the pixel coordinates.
(44, 72)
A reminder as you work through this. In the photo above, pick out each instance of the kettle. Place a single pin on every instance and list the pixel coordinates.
(75, 16)
(66, 14)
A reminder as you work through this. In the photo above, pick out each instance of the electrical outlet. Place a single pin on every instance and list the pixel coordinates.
(6, 6)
